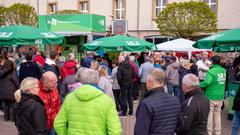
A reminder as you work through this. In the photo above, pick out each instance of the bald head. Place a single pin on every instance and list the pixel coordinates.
(49, 76)
(49, 81)
(190, 82)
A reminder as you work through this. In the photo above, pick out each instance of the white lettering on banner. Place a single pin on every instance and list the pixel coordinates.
(119, 48)
(214, 36)
(221, 78)
(38, 41)
(101, 22)
(48, 34)
(54, 22)
(96, 43)
(5, 34)
(132, 42)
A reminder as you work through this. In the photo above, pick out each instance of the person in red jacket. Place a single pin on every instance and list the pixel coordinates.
(68, 67)
(135, 80)
(50, 97)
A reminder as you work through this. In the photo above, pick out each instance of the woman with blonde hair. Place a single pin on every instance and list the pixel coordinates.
(105, 82)
(30, 115)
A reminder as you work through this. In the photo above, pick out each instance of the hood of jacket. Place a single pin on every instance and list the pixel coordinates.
(50, 62)
(183, 70)
(174, 65)
(69, 64)
(23, 104)
(87, 92)
(126, 64)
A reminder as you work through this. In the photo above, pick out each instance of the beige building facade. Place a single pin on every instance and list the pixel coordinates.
(140, 14)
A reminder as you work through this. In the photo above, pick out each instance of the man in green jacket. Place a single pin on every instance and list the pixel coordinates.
(88, 110)
(214, 85)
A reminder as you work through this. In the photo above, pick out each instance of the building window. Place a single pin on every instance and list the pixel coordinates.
(52, 8)
(120, 6)
(160, 5)
(212, 4)
(84, 7)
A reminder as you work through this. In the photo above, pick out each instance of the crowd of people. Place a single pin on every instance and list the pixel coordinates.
(51, 95)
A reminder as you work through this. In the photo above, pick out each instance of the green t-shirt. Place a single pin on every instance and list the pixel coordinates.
(215, 83)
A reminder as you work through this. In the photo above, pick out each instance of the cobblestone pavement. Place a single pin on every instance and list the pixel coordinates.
(8, 128)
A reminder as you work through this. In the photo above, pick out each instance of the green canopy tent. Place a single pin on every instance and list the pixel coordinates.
(27, 35)
(225, 41)
(118, 43)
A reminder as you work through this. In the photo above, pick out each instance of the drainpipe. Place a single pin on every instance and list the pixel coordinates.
(38, 7)
(138, 17)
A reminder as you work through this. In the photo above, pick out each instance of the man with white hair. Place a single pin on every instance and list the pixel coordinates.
(195, 108)
(159, 113)
(68, 67)
(203, 66)
(87, 110)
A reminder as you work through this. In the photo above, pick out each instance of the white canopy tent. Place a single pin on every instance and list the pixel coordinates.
(181, 45)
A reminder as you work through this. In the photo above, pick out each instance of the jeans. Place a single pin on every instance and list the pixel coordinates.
(214, 117)
(1, 104)
(235, 123)
(52, 132)
(117, 97)
(143, 90)
(173, 89)
(126, 92)
(135, 90)
(8, 110)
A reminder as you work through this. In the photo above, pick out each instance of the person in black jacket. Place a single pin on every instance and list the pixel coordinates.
(29, 69)
(125, 76)
(195, 108)
(183, 70)
(8, 85)
(30, 115)
(193, 67)
(159, 113)
(236, 116)
(51, 65)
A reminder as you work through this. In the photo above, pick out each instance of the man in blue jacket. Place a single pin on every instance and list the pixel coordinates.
(159, 113)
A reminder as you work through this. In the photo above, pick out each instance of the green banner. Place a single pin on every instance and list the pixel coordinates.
(42, 47)
(73, 23)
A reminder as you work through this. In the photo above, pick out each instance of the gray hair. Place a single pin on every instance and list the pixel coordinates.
(71, 56)
(131, 58)
(147, 58)
(88, 76)
(191, 81)
(157, 75)
(62, 59)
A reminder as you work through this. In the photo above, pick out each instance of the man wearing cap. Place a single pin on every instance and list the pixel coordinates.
(214, 85)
